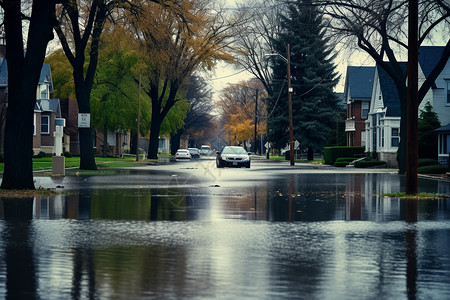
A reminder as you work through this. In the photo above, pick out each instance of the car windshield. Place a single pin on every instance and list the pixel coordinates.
(193, 150)
(182, 151)
(234, 150)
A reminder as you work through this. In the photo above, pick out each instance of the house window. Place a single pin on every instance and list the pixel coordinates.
(395, 137)
(44, 92)
(364, 110)
(448, 92)
(363, 138)
(45, 124)
(34, 124)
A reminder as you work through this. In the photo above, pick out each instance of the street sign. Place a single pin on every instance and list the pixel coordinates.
(296, 144)
(84, 120)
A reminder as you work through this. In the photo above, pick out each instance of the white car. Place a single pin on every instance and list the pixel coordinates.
(232, 156)
(206, 150)
(183, 154)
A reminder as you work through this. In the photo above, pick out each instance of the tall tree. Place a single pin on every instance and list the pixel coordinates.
(379, 27)
(313, 79)
(175, 48)
(239, 111)
(23, 75)
(198, 117)
(427, 138)
(255, 40)
(79, 28)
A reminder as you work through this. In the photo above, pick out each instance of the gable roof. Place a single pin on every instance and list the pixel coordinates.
(45, 76)
(359, 82)
(48, 105)
(391, 99)
(429, 57)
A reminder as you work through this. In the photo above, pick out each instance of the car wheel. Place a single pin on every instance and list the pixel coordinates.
(219, 164)
(248, 165)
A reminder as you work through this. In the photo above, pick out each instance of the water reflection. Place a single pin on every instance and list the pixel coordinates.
(320, 236)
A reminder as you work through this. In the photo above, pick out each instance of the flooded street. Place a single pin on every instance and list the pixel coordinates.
(187, 230)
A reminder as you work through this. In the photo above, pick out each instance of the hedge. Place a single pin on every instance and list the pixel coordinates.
(369, 164)
(427, 162)
(432, 169)
(346, 159)
(341, 164)
(331, 154)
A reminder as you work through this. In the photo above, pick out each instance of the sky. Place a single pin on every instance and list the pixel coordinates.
(225, 74)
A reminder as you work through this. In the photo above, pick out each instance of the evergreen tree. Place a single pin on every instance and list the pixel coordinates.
(313, 79)
(427, 138)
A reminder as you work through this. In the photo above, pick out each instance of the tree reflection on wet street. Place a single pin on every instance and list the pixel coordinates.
(189, 231)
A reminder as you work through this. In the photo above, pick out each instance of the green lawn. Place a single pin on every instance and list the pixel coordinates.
(45, 163)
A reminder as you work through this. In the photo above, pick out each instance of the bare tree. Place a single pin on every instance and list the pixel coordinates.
(379, 27)
(255, 40)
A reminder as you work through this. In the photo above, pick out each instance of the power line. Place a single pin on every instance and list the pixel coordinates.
(224, 77)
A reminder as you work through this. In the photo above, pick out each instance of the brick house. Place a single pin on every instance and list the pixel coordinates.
(46, 111)
(357, 94)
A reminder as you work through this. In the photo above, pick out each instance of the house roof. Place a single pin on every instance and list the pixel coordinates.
(443, 128)
(48, 105)
(359, 81)
(391, 99)
(45, 76)
(429, 57)
(3, 74)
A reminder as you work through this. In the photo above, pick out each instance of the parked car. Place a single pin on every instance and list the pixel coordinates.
(232, 156)
(206, 150)
(195, 153)
(183, 154)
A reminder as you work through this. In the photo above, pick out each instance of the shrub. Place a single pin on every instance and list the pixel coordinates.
(330, 154)
(427, 162)
(432, 169)
(369, 163)
(41, 154)
(67, 154)
(341, 164)
(346, 159)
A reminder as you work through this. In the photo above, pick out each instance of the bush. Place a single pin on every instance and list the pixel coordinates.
(432, 169)
(67, 154)
(369, 163)
(427, 162)
(341, 164)
(331, 154)
(41, 154)
(346, 159)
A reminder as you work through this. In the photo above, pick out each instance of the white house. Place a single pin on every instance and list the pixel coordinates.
(383, 123)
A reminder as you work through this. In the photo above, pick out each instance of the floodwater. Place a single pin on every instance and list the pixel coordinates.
(295, 236)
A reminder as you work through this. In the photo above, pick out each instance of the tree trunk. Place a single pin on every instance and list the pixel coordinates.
(175, 142)
(154, 139)
(154, 129)
(105, 142)
(82, 91)
(23, 77)
(401, 152)
(133, 144)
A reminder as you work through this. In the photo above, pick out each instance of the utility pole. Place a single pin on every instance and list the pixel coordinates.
(138, 120)
(256, 122)
(290, 90)
(413, 101)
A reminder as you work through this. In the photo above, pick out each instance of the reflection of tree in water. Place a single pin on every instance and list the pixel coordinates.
(18, 248)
